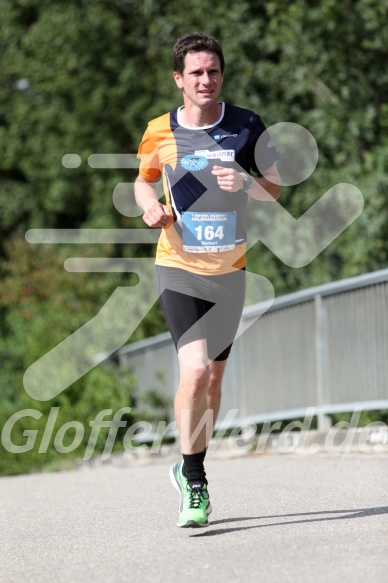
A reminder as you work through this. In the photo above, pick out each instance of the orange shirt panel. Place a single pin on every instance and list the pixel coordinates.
(158, 149)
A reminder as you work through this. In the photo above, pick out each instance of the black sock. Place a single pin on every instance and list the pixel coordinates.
(193, 468)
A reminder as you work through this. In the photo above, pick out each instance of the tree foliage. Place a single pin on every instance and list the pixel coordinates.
(85, 76)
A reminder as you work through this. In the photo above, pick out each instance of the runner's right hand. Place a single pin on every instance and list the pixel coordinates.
(157, 215)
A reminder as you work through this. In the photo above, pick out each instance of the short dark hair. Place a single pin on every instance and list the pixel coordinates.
(195, 42)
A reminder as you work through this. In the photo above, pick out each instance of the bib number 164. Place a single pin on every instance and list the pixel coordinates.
(209, 232)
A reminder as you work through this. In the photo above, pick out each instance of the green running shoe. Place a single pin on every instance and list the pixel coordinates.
(194, 503)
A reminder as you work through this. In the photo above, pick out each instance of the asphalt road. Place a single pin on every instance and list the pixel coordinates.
(288, 518)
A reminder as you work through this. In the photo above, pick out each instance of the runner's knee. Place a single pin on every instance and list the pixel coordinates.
(195, 380)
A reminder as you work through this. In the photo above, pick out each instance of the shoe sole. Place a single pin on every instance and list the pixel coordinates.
(192, 524)
(189, 523)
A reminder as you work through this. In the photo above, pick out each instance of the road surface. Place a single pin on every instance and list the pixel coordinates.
(289, 518)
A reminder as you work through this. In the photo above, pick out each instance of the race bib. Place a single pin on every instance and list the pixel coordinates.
(208, 232)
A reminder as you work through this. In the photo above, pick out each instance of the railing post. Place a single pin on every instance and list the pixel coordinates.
(324, 421)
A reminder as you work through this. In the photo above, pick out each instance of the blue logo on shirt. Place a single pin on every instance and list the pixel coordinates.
(219, 137)
(194, 162)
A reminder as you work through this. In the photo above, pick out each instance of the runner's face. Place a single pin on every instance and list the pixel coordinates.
(201, 80)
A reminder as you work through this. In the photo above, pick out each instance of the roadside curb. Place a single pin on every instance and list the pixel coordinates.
(366, 440)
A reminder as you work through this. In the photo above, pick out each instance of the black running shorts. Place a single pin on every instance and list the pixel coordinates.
(202, 307)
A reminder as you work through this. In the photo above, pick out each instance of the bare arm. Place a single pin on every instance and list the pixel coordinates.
(155, 214)
(266, 187)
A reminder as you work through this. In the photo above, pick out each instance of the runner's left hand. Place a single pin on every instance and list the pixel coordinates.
(228, 178)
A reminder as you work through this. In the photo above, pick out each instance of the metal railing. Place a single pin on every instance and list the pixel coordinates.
(323, 349)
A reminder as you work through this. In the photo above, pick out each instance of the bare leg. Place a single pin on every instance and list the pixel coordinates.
(198, 397)
(213, 396)
(191, 408)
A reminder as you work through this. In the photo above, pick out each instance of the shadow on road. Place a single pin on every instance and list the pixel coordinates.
(346, 515)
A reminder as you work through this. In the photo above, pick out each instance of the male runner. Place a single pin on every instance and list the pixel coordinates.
(204, 151)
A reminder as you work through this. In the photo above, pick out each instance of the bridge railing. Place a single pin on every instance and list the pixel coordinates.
(323, 349)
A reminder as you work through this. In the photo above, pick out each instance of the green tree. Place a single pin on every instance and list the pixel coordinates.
(85, 77)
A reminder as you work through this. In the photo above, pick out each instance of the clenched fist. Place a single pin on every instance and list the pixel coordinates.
(228, 179)
(157, 215)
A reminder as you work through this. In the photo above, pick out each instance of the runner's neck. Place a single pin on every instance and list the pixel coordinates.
(200, 118)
